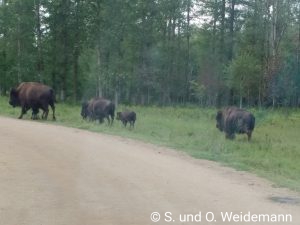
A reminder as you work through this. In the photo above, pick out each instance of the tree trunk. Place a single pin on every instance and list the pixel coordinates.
(187, 64)
(75, 74)
(40, 60)
(298, 58)
(3, 78)
(241, 96)
(116, 97)
(99, 91)
(76, 53)
(222, 35)
(231, 29)
(215, 18)
(19, 75)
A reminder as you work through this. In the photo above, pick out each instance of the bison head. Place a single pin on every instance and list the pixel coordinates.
(118, 115)
(220, 121)
(14, 98)
(84, 110)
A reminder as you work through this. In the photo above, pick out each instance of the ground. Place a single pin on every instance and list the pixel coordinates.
(64, 176)
(272, 153)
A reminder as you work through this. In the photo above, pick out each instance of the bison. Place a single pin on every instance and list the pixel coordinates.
(127, 116)
(35, 96)
(98, 108)
(85, 111)
(233, 120)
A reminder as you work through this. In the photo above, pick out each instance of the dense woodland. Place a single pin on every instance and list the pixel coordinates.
(206, 52)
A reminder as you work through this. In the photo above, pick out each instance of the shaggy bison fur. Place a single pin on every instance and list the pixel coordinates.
(233, 120)
(35, 96)
(97, 109)
(127, 116)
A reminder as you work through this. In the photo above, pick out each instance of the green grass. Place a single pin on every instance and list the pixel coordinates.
(273, 153)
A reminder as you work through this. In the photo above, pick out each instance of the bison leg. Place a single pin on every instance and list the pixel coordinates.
(112, 119)
(45, 114)
(249, 134)
(45, 109)
(23, 111)
(34, 115)
(100, 120)
(124, 123)
(53, 110)
(230, 136)
(108, 120)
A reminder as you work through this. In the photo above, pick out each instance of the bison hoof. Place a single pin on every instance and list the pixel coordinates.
(230, 136)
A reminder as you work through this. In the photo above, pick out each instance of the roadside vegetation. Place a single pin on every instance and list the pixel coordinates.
(273, 153)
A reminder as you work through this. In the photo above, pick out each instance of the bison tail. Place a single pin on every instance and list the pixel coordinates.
(111, 113)
(52, 94)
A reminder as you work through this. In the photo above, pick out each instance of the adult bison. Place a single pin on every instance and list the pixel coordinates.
(127, 116)
(87, 108)
(233, 120)
(35, 96)
(98, 108)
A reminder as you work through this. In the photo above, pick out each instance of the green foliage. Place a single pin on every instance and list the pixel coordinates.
(153, 52)
(198, 90)
(243, 75)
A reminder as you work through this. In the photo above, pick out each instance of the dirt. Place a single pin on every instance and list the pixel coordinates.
(54, 175)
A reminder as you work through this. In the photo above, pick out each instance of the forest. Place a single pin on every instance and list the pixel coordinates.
(160, 52)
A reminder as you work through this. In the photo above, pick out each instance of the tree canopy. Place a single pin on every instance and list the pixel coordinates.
(208, 52)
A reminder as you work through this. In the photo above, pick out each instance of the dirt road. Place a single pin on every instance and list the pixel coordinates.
(52, 175)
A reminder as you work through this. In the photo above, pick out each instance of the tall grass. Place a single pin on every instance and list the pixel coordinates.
(274, 151)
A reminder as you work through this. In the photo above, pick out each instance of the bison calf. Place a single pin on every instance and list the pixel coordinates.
(233, 120)
(127, 116)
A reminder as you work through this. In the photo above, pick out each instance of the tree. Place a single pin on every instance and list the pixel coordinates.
(148, 52)
(243, 77)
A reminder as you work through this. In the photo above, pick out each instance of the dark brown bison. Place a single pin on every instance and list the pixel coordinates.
(97, 109)
(35, 96)
(85, 112)
(233, 120)
(127, 116)
(87, 108)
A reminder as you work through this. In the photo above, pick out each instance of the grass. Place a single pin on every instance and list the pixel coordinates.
(273, 153)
